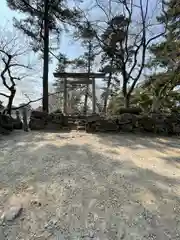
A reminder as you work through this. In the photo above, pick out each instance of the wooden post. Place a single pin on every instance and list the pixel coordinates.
(65, 96)
(93, 96)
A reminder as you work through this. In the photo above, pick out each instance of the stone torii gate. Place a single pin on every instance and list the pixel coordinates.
(83, 78)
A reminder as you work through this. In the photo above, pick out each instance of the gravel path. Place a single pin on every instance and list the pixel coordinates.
(83, 186)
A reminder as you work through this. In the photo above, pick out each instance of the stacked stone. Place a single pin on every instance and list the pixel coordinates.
(42, 120)
(38, 120)
(157, 123)
(6, 125)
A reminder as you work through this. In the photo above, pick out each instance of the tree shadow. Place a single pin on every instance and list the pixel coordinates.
(89, 193)
(134, 141)
(175, 161)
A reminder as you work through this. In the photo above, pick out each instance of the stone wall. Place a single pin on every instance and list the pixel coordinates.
(8, 124)
(166, 124)
(127, 122)
(55, 121)
(41, 120)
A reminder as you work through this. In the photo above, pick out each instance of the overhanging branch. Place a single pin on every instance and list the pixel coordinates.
(33, 101)
(5, 95)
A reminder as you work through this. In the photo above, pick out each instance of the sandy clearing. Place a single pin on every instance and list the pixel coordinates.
(82, 186)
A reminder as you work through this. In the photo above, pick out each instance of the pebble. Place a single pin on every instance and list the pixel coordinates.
(12, 213)
(36, 203)
(51, 224)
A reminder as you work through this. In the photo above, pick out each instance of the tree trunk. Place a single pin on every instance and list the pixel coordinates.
(46, 57)
(125, 94)
(10, 101)
(87, 86)
(108, 86)
(85, 100)
(126, 101)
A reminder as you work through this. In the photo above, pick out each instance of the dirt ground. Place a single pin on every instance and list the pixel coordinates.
(82, 186)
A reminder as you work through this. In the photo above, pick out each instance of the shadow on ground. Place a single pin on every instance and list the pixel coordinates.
(86, 192)
(135, 141)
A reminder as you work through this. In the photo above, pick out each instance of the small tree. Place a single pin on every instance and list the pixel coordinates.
(43, 19)
(166, 56)
(87, 34)
(12, 68)
(126, 39)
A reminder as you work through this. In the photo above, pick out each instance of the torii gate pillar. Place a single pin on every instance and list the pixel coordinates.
(93, 95)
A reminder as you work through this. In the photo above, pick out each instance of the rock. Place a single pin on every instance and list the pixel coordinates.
(146, 123)
(36, 202)
(17, 124)
(90, 127)
(176, 128)
(93, 118)
(160, 125)
(127, 122)
(53, 126)
(125, 118)
(4, 131)
(127, 127)
(39, 115)
(6, 122)
(57, 118)
(81, 128)
(133, 110)
(58, 111)
(52, 224)
(36, 124)
(65, 121)
(12, 213)
(106, 125)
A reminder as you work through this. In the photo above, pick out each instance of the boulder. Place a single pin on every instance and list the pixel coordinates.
(53, 126)
(90, 127)
(146, 123)
(58, 111)
(65, 121)
(11, 213)
(127, 122)
(176, 128)
(173, 123)
(127, 127)
(57, 118)
(160, 123)
(106, 125)
(37, 124)
(6, 122)
(93, 118)
(133, 110)
(39, 115)
(17, 123)
(4, 131)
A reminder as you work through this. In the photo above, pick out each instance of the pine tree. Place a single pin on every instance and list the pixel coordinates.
(43, 19)
(166, 55)
(87, 35)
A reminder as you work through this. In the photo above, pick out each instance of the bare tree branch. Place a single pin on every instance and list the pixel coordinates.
(144, 43)
(9, 52)
(33, 101)
(5, 95)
